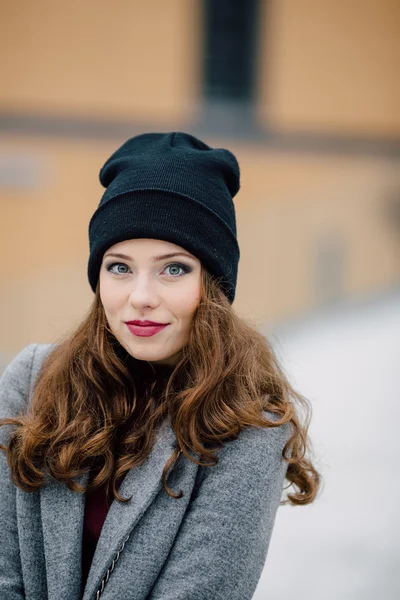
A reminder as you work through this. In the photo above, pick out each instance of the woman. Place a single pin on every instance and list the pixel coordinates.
(145, 454)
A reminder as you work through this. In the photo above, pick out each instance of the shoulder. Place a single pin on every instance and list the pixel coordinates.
(260, 442)
(254, 458)
(28, 359)
(17, 380)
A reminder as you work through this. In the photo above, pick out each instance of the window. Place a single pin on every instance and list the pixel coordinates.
(230, 50)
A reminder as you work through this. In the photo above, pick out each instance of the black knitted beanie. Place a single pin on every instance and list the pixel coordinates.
(172, 187)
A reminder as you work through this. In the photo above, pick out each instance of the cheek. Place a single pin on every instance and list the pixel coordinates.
(108, 298)
(187, 304)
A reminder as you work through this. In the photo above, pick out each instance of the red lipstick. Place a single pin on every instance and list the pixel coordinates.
(145, 328)
(144, 323)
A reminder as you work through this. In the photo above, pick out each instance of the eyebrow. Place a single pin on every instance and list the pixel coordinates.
(154, 258)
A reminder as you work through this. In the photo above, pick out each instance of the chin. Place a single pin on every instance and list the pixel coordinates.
(153, 355)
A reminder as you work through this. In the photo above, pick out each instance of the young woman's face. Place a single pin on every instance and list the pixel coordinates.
(138, 283)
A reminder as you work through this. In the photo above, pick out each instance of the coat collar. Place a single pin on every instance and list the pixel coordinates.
(62, 513)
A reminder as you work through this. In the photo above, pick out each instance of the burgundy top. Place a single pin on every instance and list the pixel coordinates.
(96, 509)
(96, 504)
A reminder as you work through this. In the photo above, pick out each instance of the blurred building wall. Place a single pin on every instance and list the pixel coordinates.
(318, 141)
(331, 66)
(129, 59)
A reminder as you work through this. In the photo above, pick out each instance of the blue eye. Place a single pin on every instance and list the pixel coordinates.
(110, 268)
(179, 266)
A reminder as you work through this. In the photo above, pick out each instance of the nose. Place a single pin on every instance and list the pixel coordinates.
(143, 292)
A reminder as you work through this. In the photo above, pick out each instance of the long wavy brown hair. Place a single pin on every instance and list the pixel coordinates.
(90, 411)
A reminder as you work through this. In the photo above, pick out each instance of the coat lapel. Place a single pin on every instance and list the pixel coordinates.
(62, 513)
(142, 483)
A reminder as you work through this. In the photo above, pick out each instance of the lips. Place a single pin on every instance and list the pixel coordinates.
(145, 330)
(145, 323)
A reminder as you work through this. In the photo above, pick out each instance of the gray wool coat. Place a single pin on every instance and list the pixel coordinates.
(211, 544)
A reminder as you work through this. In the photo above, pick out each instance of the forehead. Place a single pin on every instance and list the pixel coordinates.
(147, 246)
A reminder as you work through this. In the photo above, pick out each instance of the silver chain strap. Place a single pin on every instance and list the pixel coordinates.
(114, 562)
(110, 570)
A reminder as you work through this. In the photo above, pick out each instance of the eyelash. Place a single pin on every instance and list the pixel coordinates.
(184, 267)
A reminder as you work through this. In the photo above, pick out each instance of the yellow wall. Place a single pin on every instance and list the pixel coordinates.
(120, 59)
(331, 66)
